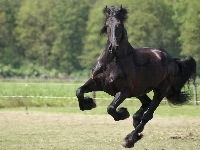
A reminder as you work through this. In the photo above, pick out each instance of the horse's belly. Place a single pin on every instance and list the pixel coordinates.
(138, 91)
(135, 90)
(141, 87)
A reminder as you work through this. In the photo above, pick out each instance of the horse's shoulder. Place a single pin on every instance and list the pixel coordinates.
(152, 50)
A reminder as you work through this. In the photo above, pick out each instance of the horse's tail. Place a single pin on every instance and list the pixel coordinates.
(187, 71)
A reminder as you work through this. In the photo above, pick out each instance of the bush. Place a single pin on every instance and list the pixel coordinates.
(27, 70)
(86, 73)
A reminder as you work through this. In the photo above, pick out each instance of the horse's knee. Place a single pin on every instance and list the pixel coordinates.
(79, 93)
(111, 110)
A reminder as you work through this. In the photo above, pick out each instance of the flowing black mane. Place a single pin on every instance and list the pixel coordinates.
(120, 13)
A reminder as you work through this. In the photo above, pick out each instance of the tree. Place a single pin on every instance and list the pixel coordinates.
(35, 30)
(50, 32)
(150, 24)
(190, 31)
(9, 54)
(70, 23)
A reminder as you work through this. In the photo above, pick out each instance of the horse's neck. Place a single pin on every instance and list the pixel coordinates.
(126, 49)
(106, 57)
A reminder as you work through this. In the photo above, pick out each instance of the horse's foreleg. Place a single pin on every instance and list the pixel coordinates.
(86, 103)
(137, 117)
(121, 113)
(134, 136)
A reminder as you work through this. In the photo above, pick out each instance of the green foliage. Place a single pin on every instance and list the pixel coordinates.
(6, 71)
(86, 73)
(187, 18)
(63, 35)
(27, 70)
(190, 31)
(34, 24)
(93, 43)
(151, 25)
(70, 30)
(51, 35)
(8, 49)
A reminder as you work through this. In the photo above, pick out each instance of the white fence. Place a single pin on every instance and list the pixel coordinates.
(195, 100)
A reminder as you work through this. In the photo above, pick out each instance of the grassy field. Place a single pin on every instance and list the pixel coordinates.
(39, 94)
(14, 94)
(62, 128)
(36, 125)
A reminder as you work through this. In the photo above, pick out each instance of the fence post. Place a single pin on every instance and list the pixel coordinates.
(195, 93)
(93, 95)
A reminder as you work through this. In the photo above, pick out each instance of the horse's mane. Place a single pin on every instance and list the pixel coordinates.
(120, 13)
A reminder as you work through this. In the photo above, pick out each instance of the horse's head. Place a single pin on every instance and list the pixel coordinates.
(114, 26)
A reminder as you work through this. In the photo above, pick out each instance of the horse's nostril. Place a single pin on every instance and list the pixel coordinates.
(117, 47)
(110, 47)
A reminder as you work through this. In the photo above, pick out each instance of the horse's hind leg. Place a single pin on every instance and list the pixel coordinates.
(86, 103)
(137, 117)
(134, 136)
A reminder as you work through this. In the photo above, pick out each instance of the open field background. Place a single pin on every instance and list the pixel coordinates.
(45, 115)
(55, 94)
(56, 129)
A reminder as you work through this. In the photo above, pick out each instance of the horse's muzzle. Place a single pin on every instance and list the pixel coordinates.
(113, 48)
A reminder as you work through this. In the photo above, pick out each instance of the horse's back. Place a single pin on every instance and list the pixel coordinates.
(151, 66)
(154, 53)
(152, 58)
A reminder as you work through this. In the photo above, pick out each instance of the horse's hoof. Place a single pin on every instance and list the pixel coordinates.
(130, 140)
(123, 113)
(87, 104)
(128, 143)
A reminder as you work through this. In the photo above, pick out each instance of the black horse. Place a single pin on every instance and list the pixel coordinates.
(125, 72)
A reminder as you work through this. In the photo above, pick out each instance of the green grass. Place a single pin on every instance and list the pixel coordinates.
(58, 124)
(44, 94)
(70, 129)
(163, 110)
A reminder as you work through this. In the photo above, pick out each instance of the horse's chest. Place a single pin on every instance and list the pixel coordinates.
(114, 71)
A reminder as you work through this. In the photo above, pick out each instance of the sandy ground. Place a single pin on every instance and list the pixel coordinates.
(19, 130)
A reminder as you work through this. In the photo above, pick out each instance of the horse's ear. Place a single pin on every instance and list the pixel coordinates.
(121, 7)
(124, 12)
(106, 11)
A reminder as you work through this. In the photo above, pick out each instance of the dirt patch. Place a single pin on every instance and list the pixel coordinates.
(54, 131)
